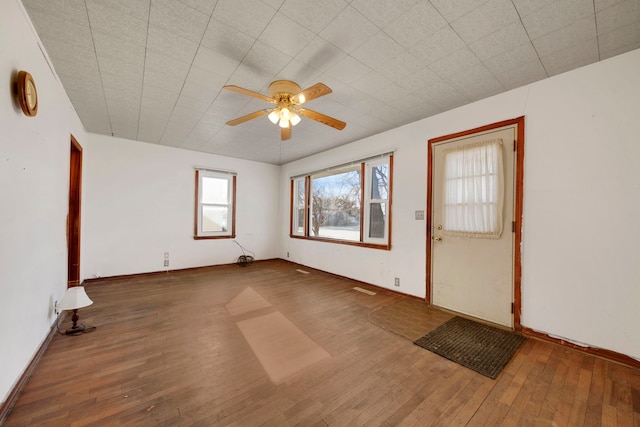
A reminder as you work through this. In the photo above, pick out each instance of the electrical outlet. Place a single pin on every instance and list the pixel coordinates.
(166, 263)
(287, 254)
(166, 255)
(396, 281)
(419, 215)
(55, 307)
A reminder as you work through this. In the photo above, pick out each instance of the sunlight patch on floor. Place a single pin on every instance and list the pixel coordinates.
(246, 301)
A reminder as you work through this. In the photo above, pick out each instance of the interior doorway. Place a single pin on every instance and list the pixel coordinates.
(73, 217)
(474, 221)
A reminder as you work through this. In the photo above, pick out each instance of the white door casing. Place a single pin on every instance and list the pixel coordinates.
(474, 275)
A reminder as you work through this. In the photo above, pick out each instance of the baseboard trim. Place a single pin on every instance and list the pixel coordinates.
(16, 391)
(602, 353)
(106, 279)
(357, 281)
(594, 351)
(99, 280)
(610, 355)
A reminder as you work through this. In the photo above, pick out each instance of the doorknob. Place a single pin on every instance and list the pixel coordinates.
(437, 239)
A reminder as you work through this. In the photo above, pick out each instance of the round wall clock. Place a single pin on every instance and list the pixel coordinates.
(27, 94)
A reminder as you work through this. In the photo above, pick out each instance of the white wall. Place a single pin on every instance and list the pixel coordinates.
(581, 256)
(34, 197)
(139, 204)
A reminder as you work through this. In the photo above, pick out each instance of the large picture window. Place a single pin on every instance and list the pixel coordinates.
(215, 204)
(347, 204)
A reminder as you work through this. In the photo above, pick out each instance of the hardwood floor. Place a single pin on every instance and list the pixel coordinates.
(168, 352)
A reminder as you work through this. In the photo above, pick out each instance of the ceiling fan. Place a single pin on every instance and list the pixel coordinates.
(288, 98)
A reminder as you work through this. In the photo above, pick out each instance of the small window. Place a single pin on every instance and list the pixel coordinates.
(347, 204)
(215, 204)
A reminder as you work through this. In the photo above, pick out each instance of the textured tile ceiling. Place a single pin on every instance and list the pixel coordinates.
(153, 70)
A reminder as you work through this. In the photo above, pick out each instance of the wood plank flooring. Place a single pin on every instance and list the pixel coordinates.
(167, 352)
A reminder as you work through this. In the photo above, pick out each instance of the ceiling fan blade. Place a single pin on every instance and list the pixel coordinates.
(324, 119)
(248, 117)
(313, 92)
(285, 133)
(248, 92)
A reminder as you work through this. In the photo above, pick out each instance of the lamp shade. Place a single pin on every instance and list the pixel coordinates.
(76, 297)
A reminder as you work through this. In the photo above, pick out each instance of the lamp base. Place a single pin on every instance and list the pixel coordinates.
(76, 330)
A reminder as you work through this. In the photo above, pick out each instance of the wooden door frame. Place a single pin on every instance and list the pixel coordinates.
(73, 216)
(519, 180)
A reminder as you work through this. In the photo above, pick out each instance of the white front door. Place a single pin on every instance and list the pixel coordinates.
(472, 208)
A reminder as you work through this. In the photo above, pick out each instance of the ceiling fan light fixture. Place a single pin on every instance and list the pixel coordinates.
(274, 116)
(287, 97)
(295, 119)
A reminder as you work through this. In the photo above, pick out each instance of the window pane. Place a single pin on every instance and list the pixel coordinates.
(380, 182)
(377, 220)
(299, 209)
(214, 218)
(299, 227)
(335, 206)
(215, 190)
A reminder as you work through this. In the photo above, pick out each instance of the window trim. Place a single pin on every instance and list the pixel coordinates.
(363, 242)
(367, 200)
(293, 216)
(232, 182)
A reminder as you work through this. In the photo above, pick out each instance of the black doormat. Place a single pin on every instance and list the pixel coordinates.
(483, 348)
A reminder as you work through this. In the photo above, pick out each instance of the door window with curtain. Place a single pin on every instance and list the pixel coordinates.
(474, 190)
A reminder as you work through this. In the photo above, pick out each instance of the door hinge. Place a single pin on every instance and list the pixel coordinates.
(512, 308)
(514, 145)
(513, 226)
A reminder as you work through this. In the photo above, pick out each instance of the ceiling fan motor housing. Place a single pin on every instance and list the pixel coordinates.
(280, 89)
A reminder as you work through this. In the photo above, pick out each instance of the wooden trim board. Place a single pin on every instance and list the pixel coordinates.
(602, 353)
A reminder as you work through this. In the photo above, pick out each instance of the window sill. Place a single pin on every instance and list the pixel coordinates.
(230, 236)
(384, 247)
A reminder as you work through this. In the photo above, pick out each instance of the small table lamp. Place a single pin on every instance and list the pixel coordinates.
(75, 298)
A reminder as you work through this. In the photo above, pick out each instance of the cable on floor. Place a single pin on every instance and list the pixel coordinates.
(244, 259)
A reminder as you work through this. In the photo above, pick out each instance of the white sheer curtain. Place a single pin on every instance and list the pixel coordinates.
(474, 190)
